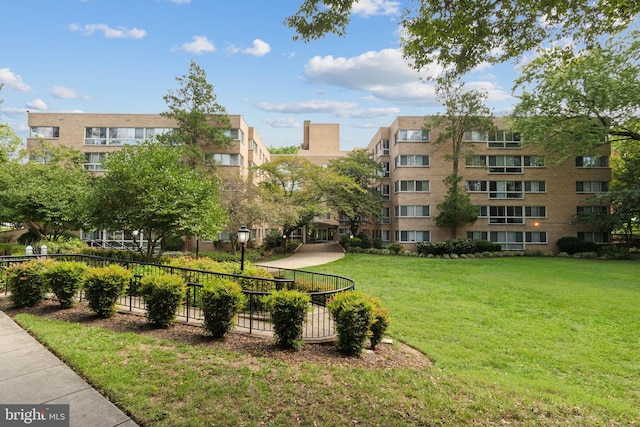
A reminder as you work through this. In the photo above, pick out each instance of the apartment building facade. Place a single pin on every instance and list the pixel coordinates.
(526, 200)
(97, 135)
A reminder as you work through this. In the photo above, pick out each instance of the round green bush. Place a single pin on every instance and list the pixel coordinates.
(163, 294)
(64, 278)
(26, 283)
(103, 286)
(222, 299)
(352, 312)
(288, 312)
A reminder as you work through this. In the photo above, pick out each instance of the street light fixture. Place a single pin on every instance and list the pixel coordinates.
(243, 238)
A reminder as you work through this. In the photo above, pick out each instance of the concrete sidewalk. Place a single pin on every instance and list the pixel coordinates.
(308, 255)
(32, 375)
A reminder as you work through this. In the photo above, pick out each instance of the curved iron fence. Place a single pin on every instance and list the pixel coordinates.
(254, 319)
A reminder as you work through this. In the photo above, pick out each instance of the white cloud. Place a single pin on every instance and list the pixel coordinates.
(181, 1)
(376, 7)
(283, 122)
(198, 45)
(13, 111)
(260, 48)
(63, 92)
(13, 81)
(110, 33)
(312, 106)
(369, 113)
(37, 104)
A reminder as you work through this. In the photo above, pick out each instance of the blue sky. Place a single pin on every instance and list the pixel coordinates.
(122, 56)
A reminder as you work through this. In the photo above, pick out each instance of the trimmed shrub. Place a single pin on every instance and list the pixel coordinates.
(353, 313)
(395, 248)
(103, 286)
(64, 245)
(64, 278)
(381, 320)
(26, 283)
(573, 245)
(163, 294)
(7, 249)
(613, 252)
(222, 299)
(288, 312)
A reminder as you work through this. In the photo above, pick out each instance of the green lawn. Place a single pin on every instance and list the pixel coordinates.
(519, 341)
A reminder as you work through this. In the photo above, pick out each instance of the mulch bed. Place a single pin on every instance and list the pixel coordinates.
(385, 356)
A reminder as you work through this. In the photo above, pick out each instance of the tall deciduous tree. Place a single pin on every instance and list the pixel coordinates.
(459, 35)
(290, 184)
(571, 103)
(48, 198)
(147, 188)
(465, 111)
(202, 122)
(352, 193)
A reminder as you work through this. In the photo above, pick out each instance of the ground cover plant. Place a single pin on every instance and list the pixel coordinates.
(515, 341)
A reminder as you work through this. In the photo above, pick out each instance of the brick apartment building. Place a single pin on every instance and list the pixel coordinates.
(525, 199)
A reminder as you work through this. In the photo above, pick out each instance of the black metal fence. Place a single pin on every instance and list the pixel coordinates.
(253, 319)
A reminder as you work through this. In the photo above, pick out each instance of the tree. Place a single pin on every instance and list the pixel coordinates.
(573, 103)
(352, 191)
(48, 198)
(147, 188)
(459, 35)
(465, 111)
(456, 209)
(290, 184)
(202, 122)
(292, 149)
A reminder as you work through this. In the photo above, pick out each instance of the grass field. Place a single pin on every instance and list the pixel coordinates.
(518, 341)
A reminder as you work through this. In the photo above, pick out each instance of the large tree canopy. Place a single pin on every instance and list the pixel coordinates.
(147, 188)
(573, 102)
(351, 189)
(459, 35)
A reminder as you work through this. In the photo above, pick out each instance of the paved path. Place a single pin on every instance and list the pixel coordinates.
(32, 375)
(308, 255)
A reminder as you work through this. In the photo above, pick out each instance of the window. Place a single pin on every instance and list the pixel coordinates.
(476, 161)
(385, 147)
(535, 211)
(505, 189)
(535, 186)
(590, 210)
(385, 169)
(475, 136)
(234, 133)
(411, 186)
(594, 236)
(483, 211)
(385, 190)
(478, 235)
(44, 132)
(384, 216)
(412, 236)
(504, 139)
(412, 160)
(412, 136)
(534, 161)
(223, 159)
(505, 164)
(95, 136)
(384, 235)
(591, 186)
(505, 215)
(152, 133)
(509, 240)
(476, 186)
(125, 136)
(412, 211)
(94, 161)
(592, 162)
(535, 236)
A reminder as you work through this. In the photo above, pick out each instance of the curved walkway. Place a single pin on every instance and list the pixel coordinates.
(308, 255)
(32, 375)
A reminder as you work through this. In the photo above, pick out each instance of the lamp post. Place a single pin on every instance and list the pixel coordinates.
(243, 238)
